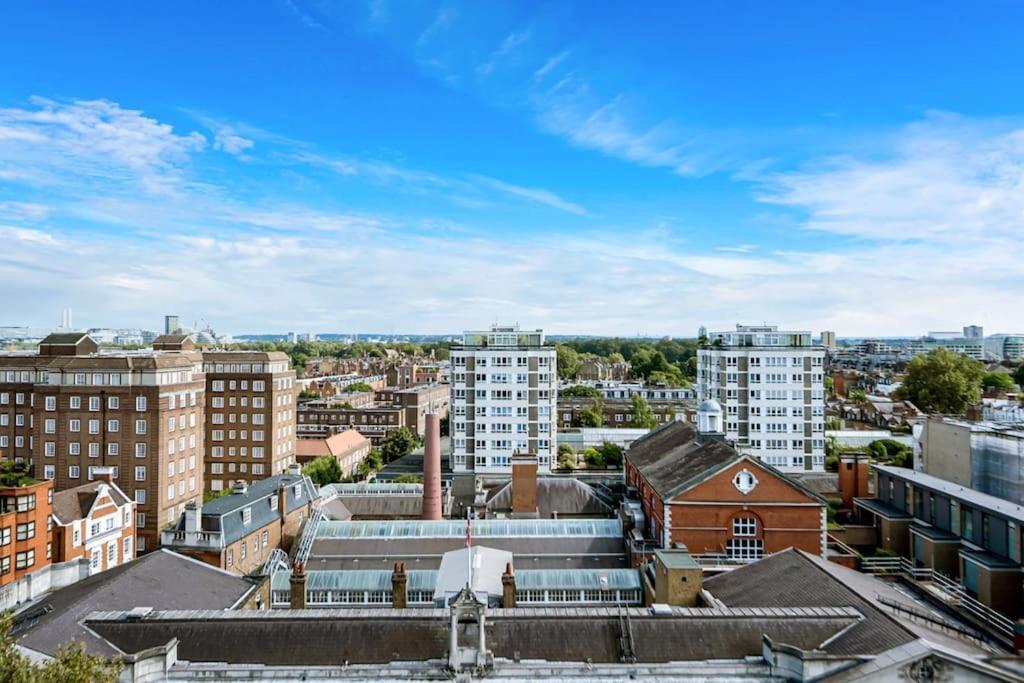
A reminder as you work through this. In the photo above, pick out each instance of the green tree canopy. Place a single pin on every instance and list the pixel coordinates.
(580, 390)
(643, 416)
(72, 664)
(592, 416)
(611, 454)
(594, 458)
(999, 381)
(568, 361)
(359, 386)
(566, 457)
(324, 470)
(398, 444)
(942, 381)
(1018, 375)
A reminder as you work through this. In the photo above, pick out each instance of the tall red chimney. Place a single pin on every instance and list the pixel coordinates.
(432, 468)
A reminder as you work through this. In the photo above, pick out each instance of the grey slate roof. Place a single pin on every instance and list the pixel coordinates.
(566, 497)
(793, 578)
(326, 637)
(161, 579)
(72, 504)
(225, 513)
(374, 507)
(674, 458)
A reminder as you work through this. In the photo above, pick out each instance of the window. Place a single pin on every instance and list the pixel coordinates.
(744, 548)
(49, 471)
(140, 406)
(140, 475)
(25, 559)
(75, 425)
(26, 531)
(140, 450)
(111, 554)
(246, 515)
(140, 426)
(50, 426)
(5, 536)
(113, 403)
(74, 472)
(140, 521)
(127, 549)
(744, 526)
(5, 565)
(51, 403)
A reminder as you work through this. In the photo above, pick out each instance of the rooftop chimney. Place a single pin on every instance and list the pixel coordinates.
(399, 586)
(432, 468)
(524, 486)
(853, 477)
(239, 487)
(105, 474)
(297, 583)
(193, 515)
(508, 587)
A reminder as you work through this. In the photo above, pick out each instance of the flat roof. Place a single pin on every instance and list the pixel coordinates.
(966, 494)
(481, 528)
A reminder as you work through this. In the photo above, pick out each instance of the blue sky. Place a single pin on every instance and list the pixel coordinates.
(591, 167)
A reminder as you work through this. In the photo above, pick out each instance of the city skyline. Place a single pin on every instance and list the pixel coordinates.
(432, 167)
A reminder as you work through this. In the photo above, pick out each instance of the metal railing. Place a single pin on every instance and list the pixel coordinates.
(953, 593)
(277, 561)
(309, 534)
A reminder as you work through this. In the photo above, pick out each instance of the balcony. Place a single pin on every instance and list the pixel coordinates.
(212, 540)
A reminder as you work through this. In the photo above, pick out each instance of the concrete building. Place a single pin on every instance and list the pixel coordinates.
(171, 324)
(944, 526)
(618, 412)
(238, 531)
(974, 332)
(828, 340)
(250, 416)
(984, 456)
(503, 400)
(1005, 347)
(94, 521)
(770, 384)
(71, 411)
(973, 347)
(696, 491)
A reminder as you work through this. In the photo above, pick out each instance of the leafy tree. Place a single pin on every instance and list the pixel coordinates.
(594, 458)
(567, 360)
(358, 386)
(306, 393)
(643, 416)
(72, 664)
(445, 425)
(891, 451)
(398, 444)
(1018, 375)
(998, 381)
(833, 423)
(580, 390)
(566, 457)
(829, 385)
(370, 464)
(611, 454)
(409, 479)
(942, 381)
(592, 416)
(324, 470)
(214, 495)
(858, 395)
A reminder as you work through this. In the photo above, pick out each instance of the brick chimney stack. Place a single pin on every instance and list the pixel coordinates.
(399, 586)
(853, 477)
(508, 587)
(524, 486)
(432, 468)
(298, 586)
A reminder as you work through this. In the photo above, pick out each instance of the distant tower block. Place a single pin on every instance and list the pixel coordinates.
(432, 468)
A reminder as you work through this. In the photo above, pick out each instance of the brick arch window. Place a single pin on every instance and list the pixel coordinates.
(746, 537)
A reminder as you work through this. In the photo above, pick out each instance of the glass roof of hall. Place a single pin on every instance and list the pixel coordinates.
(482, 528)
(426, 580)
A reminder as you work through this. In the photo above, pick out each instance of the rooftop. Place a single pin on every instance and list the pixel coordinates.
(968, 495)
(76, 503)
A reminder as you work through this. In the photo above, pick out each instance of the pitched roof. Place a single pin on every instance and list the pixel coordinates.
(224, 514)
(566, 497)
(171, 339)
(161, 579)
(673, 458)
(75, 503)
(798, 579)
(337, 444)
(64, 338)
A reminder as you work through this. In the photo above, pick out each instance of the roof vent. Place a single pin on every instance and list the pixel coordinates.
(240, 486)
(137, 613)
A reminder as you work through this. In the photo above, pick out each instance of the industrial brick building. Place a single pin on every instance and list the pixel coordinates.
(697, 491)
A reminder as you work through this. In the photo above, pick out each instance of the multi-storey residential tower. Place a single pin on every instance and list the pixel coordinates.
(77, 411)
(504, 394)
(770, 384)
(250, 416)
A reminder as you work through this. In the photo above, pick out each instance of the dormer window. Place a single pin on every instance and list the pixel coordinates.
(273, 502)
(246, 516)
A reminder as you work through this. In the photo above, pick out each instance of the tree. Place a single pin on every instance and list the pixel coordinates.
(1018, 375)
(567, 361)
(566, 457)
(324, 470)
(358, 386)
(643, 416)
(370, 464)
(942, 381)
(580, 391)
(397, 444)
(858, 395)
(71, 664)
(592, 416)
(997, 381)
(409, 479)
(892, 452)
(445, 425)
(594, 458)
(611, 454)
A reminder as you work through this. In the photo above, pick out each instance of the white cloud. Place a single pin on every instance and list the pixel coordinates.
(532, 194)
(551, 64)
(94, 139)
(946, 178)
(509, 45)
(227, 140)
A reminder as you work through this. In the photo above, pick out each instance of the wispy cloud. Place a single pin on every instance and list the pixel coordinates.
(533, 194)
(443, 20)
(945, 178)
(551, 64)
(509, 45)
